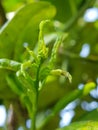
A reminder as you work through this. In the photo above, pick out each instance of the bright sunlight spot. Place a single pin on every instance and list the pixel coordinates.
(2, 115)
(28, 123)
(66, 117)
(20, 128)
(91, 15)
(10, 15)
(68, 113)
(89, 106)
(94, 92)
(85, 50)
(80, 86)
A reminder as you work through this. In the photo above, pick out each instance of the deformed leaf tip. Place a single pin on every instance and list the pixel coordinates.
(68, 75)
(59, 72)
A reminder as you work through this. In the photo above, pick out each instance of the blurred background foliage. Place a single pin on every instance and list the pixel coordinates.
(78, 54)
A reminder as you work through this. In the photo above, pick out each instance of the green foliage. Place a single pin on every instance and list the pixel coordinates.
(39, 48)
(87, 125)
(30, 86)
(28, 27)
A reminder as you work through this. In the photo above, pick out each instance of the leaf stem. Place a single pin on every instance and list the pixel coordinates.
(66, 100)
(35, 100)
(34, 111)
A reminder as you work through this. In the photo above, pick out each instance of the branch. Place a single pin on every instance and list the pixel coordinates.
(74, 19)
(92, 59)
(11, 122)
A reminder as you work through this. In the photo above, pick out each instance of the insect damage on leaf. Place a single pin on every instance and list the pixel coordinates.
(9, 64)
(59, 72)
(42, 49)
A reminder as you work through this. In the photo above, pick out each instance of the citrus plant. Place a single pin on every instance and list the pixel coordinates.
(41, 64)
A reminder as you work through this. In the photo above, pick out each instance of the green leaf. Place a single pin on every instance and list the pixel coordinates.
(11, 5)
(42, 49)
(65, 9)
(92, 115)
(62, 7)
(24, 28)
(66, 100)
(86, 125)
(73, 95)
(59, 72)
(15, 85)
(9, 64)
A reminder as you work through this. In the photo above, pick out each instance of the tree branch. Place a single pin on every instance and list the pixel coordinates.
(74, 19)
(90, 59)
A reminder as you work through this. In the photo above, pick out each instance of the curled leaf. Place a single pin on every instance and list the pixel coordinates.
(9, 64)
(41, 27)
(42, 49)
(54, 50)
(60, 38)
(32, 54)
(59, 72)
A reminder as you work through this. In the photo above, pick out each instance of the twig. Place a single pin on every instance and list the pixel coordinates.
(11, 123)
(73, 20)
(92, 59)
